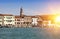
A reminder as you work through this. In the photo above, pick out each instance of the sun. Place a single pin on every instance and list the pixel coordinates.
(57, 19)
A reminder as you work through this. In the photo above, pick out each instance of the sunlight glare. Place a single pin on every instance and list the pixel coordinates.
(57, 19)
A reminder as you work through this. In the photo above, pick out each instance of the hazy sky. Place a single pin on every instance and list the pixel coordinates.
(30, 7)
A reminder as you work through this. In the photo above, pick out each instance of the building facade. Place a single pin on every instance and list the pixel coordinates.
(26, 21)
(17, 21)
(34, 21)
(9, 20)
(1, 19)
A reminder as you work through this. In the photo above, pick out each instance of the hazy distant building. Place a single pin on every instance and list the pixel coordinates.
(9, 20)
(34, 21)
(1, 19)
(46, 20)
(40, 21)
(28, 21)
(17, 21)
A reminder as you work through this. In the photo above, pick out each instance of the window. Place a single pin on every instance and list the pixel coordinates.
(18, 19)
(8, 17)
(23, 22)
(9, 20)
(15, 19)
(15, 22)
(18, 23)
(0, 21)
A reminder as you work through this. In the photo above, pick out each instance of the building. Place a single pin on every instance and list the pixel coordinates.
(17, 21)
(40, 21)
(47, 20)
(1, 19)
(28, 21)
(23, 22)
(34, 21)
(9, 20)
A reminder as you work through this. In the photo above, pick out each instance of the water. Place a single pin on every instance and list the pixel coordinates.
(29, 33)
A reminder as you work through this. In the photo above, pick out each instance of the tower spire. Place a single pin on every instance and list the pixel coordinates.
(21, 12)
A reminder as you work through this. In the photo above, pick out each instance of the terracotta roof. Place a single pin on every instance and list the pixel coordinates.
(27, 16)
(34, 16)
(17, 16)
(6, 15)
(47, 17)
(1, 15)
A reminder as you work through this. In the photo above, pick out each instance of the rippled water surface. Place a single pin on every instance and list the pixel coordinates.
(29, 33)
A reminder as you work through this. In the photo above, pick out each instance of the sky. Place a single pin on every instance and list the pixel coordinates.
(30, 7)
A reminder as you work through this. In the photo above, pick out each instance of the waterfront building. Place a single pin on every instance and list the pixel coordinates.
(9, 20)
(17, 21)
(40, 21)
(46, 20)
(28, 21)
(23, 22)
(34, 21)
(1, 19)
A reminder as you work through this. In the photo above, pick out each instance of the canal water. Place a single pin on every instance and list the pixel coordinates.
(29, 33)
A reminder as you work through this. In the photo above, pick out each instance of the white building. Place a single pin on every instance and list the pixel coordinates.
(9, 20)
(34, 20)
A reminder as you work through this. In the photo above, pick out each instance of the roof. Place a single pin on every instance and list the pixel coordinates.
(33, 16)
(17, 16)
(47, 17)
(6, 15)
(1, 15)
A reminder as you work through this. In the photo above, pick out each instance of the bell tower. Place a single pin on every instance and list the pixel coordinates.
(21, 12)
